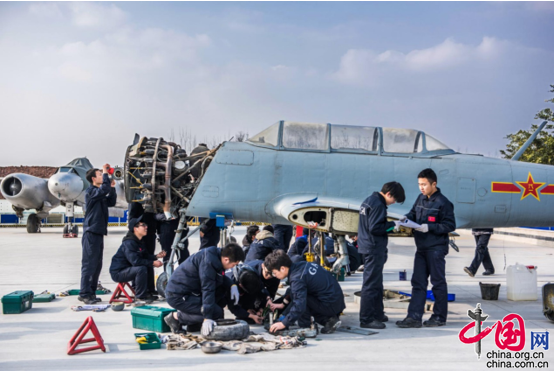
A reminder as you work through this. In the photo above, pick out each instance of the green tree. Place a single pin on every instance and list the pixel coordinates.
(542, 149)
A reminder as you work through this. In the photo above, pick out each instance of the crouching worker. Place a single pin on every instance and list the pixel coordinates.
(198, 288)
(256, 288)
(133, 263)
(313, 290)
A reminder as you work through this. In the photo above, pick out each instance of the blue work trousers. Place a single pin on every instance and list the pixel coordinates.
(482, 254)
(91, 263)
(140, 276)
(371, 304)
(189, 307)
(429, 264)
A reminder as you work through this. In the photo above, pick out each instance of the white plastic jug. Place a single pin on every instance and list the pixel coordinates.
(521, 282)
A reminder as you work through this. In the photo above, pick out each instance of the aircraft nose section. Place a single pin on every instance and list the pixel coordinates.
(65, 186)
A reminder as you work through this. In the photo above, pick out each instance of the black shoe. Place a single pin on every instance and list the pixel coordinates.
(98, 299)
(86, 300)
(154, 292)
(432, 322)
(174, 324)
(385, 318)
(145, 300)
(408, 322)
(469, 272)
(194, 328)
(153, 297)
(331, 325)
(488, 273)
(375, 324)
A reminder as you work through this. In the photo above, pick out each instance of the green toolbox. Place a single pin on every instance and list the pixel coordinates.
(17, 302)
(151, 318)
(148, 341)
(98, 292)
(44, 298)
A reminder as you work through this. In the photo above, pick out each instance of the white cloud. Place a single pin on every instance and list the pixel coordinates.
(95, 15)
(363, 65)
(46, 10)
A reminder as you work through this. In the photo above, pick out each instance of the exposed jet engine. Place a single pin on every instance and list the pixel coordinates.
(29, 192)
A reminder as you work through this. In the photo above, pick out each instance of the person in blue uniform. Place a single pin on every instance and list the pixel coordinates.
(198, 288)
(482, 256)
(283, 235)
(209, 233)
(435, 213)
(132, 262)
(372, 242)
(135, 211)
(314, 292)
(256, 287)
(264, 244)
(99, 196)
(249, 237)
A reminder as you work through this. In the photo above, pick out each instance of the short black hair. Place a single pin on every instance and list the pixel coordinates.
(305, 231)
(252, 230)
(396, 191)
(90, 174)
(276, 260)
(428, 174)
(234, 252)
(269, 228)
(250, 282)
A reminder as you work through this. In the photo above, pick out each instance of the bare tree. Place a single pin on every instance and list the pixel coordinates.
(241, 136)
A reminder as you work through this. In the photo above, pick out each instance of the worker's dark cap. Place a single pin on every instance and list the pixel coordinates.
(134, 222)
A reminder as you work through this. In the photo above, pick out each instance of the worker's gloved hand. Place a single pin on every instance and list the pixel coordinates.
(235, 294)
(397, 225)
(402, 218)
(208, 326)
(423, 229)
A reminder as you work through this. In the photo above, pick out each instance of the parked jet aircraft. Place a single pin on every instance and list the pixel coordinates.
(318, 174)
(66, 187)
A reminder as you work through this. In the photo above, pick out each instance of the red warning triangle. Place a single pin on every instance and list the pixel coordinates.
(77, 339)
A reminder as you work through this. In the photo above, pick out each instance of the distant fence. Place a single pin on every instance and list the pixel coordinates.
(59, 220)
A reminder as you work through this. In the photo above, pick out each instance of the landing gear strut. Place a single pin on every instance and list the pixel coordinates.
(70, 230)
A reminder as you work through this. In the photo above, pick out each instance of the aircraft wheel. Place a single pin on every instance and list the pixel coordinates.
(161, 284)
(549, 315)
(75, 230)
(33, 223)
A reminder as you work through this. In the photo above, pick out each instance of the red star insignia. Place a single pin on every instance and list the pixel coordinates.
(530, 187)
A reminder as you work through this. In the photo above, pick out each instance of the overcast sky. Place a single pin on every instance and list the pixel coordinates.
(79, 79)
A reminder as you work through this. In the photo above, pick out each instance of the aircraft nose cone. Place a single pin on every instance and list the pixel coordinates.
(65, 186)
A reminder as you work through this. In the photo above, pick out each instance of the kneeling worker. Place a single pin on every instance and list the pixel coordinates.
(133, 263)
(314, 291)
(198, 288)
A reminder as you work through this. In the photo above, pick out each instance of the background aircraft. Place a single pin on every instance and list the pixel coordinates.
(304, 172)
(66, 187)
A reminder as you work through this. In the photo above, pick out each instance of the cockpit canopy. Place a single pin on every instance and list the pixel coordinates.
(350, 139)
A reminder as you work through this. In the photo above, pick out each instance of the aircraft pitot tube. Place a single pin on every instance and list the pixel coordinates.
(161, 176)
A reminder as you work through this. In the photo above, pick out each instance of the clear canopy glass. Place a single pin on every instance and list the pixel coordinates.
(401, 140)
(309, 136)
(354, 138)
(269, 136)
(433, 144)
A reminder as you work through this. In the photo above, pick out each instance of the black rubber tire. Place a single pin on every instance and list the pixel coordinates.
(549, 315)
(33, 223)
(75, 230)
(238, 331)
(161, 284)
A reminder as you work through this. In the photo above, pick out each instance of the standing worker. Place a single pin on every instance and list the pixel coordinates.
(372, 244)
(99, 196)
(482, 237)
(209, 233)
(435, 213)
(283, 235)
